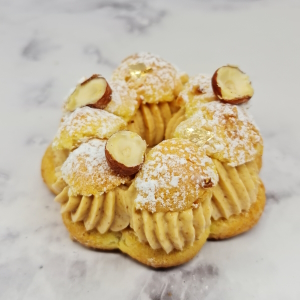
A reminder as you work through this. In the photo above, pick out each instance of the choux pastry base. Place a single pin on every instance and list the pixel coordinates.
(92, 239)
(48, 169)
(126, 240)
(237, 224)
(143, 253)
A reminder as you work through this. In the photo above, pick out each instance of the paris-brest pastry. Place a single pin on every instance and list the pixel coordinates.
(153, 163)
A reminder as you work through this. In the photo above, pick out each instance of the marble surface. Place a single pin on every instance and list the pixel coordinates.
(46, 46)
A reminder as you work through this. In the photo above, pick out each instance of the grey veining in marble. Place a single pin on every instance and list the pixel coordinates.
(46, 46)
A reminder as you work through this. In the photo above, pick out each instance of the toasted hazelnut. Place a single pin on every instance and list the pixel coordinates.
(94, 92)
(125, 152)
(231, 85)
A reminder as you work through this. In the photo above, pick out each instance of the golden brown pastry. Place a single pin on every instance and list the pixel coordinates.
(86, 123)
(123, 100)
(228, 135)
(98, 205)
(225, 228)
(90, 191)
(172, 208)
(48, 169)
(202, 181)
(157, 84)
(154, 79)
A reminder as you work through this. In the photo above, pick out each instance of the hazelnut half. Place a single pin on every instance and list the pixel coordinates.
(231, 85)
(94, 92)
(125, 152)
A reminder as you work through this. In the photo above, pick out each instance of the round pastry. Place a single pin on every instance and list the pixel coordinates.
(171, 212)
(230, 138)
(90, 190)
(93, 200)
(154, 79)
(157, 84)
(159, 208)
(83, 124)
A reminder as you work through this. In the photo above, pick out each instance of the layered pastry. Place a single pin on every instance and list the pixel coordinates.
(231, 139)
(153, 162)
(171, 211)
(81, 121)
(91, 196)
(157, 84)
(167, 207)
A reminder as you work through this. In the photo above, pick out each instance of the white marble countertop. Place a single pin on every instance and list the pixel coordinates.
(46, 46)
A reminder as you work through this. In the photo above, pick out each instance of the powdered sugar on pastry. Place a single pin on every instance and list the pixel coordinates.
(236, 140)
(161, 81)
(86, 170)
(86, 123)
(196, 91)
(173, 177)
(123, 100)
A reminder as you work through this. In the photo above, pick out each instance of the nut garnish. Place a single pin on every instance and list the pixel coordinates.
(94, 92)
(231, 85)
(125, 152)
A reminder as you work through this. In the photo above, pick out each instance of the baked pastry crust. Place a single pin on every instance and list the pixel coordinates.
(130, 245)
(86, 123)
(92, 239)
(123, 100)
(87, 172)
(48, 169)
(154, 79)
(235, 143)
(127, 242)
(234, 138)
(176, 173)
(237, 224)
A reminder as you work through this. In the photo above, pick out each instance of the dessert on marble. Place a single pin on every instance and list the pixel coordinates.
(153, 162)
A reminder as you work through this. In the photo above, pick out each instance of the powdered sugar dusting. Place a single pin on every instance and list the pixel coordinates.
(86, 170)
(159, 84)
(197, 90)
(203, 83)
(172, 180)
(236, 140)
(123, 101)
(86, 123)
